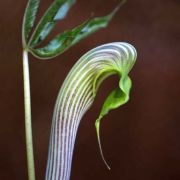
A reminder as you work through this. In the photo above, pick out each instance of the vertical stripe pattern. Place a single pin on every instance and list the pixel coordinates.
(75, 98)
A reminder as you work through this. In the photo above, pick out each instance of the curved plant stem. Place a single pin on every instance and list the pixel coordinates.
(28, 126)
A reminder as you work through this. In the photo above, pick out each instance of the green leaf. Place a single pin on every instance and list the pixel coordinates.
(65, 40)
(56, 11)
(68, 38)
(29, 19)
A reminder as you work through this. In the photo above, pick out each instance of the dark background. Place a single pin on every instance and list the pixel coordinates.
(141, 140)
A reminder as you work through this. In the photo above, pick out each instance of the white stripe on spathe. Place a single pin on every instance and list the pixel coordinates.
(75, 98)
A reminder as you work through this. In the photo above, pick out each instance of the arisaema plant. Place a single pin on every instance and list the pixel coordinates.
(77, 95)
(32, 37)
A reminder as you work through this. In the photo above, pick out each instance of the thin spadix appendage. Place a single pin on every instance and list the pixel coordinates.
(77, 95)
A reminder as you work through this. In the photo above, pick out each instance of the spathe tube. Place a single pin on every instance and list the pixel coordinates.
(77, 95)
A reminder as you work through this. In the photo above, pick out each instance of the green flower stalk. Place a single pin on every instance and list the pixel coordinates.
(77, 95)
